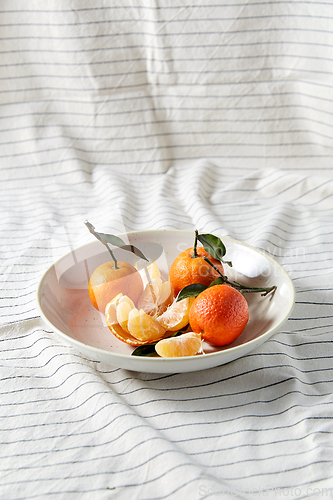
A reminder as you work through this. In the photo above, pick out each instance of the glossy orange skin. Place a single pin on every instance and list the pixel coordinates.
(220, 314)
(106, 282)
(187, 269)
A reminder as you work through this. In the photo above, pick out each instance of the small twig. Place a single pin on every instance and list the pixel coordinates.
(242, 288)
(225, 278)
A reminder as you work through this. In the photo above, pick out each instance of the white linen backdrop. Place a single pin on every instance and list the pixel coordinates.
(166, 115)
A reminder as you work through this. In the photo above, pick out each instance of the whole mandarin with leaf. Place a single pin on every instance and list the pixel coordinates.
(110, 279)
(114, 277)
(190, 267)
(220, 313)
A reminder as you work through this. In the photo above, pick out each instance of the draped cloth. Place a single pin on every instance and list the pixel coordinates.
(161, 115)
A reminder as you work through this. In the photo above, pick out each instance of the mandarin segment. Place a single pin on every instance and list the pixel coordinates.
(176, 316)
(115, 301)
(123, 310)
(166, 295)
(118, 309)
(144, 327)
(153, 271)
(220, 313)
(187, 344)
(150, 272)
(147, 300)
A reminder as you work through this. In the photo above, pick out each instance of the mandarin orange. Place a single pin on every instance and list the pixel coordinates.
(187, 269)
(106, 282)
(220, 313)
(156, 297)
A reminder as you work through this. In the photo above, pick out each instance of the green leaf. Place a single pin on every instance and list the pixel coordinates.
(115, 241)
(144, 350)
(110, 238)
(191, 291)
(105, 238)
(218, 281)
(213, 245)
(135, 250)
(253, 289)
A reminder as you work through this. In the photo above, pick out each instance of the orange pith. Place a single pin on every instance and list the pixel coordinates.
(156, 297)
(220, 314)
(187, 344)
(143, 327)
(187, 269)
(106, 282)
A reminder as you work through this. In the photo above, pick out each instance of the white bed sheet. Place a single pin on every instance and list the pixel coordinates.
(162, 115)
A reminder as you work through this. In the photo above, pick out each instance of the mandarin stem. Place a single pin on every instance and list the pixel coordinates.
(195, 253)
(112, 256)
(242, 288)
(225, 278)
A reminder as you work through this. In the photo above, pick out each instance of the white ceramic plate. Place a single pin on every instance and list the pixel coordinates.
(63, 301)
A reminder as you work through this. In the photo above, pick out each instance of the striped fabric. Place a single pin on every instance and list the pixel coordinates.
(166, 115)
